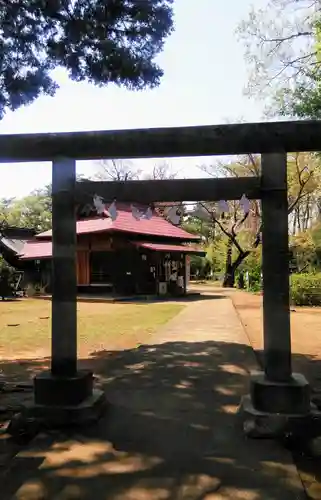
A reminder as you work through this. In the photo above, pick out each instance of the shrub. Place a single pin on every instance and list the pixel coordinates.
(255, 287)
(255, 281)
(306, 289)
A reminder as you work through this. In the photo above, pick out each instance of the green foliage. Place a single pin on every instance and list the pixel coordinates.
(253, 262)
(10, 271)
(255, 286)
(255, 281)
(304, 252)
(316, 235)
(302, 101)
(282, 50)
(216, 254)
(196, 226)
(242, 236)
(199, 266)
(305, 248)
(3, 263)
(306, 289)
(99, 41)
(33, 211)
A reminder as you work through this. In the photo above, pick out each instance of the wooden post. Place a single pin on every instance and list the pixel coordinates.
(64, 279)
(275, 259)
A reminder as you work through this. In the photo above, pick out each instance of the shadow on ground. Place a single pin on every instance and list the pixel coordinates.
(192, 297)
(195, 295)
(170, 433)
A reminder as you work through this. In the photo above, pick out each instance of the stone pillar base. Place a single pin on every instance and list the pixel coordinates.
(86, 412)
(291, 397)
(276, 409)
(51, 390)
(62, 402)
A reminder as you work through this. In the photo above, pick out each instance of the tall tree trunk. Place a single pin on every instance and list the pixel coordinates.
(298, 219)
(294, 223)
(231, 267)
(228, 265)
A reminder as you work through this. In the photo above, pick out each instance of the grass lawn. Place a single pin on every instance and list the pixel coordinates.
(25, 326)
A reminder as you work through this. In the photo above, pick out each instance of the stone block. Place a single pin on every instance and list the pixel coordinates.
(290, 398)
(50, 390)
(264, 425)
(58, 417)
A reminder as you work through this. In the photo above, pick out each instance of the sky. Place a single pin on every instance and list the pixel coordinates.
(204, 77)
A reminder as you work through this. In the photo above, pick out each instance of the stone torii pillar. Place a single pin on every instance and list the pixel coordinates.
(278, 399)
(64, 395)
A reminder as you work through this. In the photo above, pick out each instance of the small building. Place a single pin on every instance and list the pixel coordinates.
(124, 256)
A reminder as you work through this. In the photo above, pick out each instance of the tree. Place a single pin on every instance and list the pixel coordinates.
(230, 224)
(194, 224)
(303, 250)
(304, 183)
(117, 170)
(282, 48)
(126, 170)
(99, 41)
(5, 208)
(241, 232)
(162, 170)
(33, 211)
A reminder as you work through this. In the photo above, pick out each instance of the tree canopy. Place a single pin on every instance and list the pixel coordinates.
(234, 240)
(32, 211)
(282, 49)
(99, 41)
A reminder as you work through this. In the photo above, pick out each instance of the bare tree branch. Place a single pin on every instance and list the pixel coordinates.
(279, 43)
(230, 234)
(162, 170)
(302, 182)
(117, 170)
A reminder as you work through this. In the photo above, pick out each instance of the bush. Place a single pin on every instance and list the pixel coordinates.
(306, 289)
(255, 287)
(255, 280)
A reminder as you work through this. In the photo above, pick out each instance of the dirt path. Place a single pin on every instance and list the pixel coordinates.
(306, 359)
(170, 432)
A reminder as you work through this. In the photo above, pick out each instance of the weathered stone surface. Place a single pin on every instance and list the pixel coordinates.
(226, 139)
(21, 427)
(48, 416)
(292, 397)
(264, 425)
(275, 267)
(64, 391)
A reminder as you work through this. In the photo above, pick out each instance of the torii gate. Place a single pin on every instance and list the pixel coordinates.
(65, 394)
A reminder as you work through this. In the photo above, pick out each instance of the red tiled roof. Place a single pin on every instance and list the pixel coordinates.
(125, 222)
(43, 249)
(162, 247)
(36, 250)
